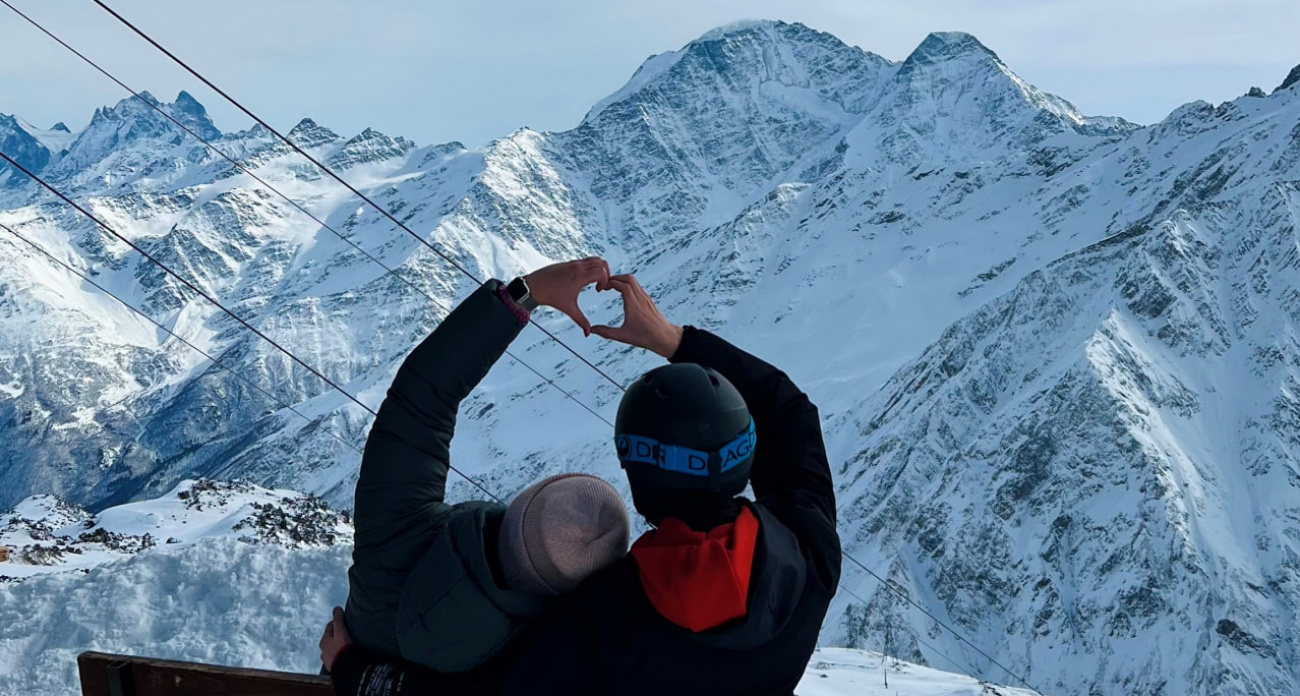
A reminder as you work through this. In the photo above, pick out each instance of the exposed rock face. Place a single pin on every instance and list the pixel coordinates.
(1291, 78)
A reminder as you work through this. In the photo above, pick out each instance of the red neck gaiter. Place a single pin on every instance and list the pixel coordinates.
(698, 580)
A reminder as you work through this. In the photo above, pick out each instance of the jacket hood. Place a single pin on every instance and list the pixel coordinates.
(453, 616)
(775, 584)
(698, 580)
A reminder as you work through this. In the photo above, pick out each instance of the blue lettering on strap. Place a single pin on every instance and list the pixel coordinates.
(684, 460)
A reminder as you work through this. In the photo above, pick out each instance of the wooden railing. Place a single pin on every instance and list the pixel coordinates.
(123, 675)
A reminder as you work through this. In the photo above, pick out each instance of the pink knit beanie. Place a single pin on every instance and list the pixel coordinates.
(559, 531)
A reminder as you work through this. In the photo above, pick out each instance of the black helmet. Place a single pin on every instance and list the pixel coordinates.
(684, 427)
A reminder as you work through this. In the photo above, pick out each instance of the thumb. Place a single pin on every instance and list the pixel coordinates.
(607, 332)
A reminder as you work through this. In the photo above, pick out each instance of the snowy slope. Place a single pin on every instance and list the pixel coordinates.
(1056, 355)
(45, 535)
(246, 577)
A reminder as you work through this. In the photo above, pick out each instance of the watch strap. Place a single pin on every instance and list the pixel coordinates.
(503, 294)
(522, 294)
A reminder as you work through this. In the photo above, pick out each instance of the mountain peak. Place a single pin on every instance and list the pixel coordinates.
(1290, 80)
(188, 103)
(369, 146)
(137, 120)
(942, 46)
(953, 94)
(310, 134)
(190, 112)
(61, 126)
(129, 103)
(144, 109)
(744, 26)
(737, 57)
(21, 145)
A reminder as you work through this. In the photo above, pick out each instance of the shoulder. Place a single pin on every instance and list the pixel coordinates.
(604, 610)
(616, 588)
(797, 529)
(472, 514)
(451, 586)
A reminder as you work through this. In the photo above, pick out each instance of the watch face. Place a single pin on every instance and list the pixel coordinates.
(521, 294)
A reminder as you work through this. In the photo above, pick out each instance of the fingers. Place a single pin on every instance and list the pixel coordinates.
(601, 267)
(567, 282)
(593, 270)
(627, 284)
(575, 313)
(341, 626)
(614, 280)
(637, 305)
(623, 287)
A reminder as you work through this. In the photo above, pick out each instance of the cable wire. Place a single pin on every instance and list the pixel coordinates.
(263, 390)
(215, 303)
(476, 484)
(246, 170)
(332, 174)
(328, 171)
(924, 644)
(890, 586)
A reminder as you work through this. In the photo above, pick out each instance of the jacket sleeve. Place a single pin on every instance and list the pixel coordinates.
(361, 672)
(790, 465)
(404, 468)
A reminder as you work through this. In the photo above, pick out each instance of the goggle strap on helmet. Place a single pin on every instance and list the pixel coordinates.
(715, 471)
(684, 460)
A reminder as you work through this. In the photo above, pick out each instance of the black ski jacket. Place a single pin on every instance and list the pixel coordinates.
(606, 638)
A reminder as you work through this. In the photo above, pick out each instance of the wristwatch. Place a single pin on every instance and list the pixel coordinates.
(521, 294)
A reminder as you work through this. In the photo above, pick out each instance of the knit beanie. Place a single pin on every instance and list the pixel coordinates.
(559, 531)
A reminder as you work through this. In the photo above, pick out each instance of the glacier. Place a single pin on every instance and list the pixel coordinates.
(1056, 354)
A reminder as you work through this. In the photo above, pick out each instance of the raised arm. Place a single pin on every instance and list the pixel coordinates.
(407, 457)
(404, 468)
(790, 464)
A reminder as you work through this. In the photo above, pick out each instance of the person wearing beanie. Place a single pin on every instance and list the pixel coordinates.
(448, 587)
(727, 596)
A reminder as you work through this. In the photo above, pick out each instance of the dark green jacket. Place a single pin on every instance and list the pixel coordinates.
(421, 586)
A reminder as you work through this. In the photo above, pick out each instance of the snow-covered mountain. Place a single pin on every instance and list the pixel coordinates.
(44, 535)
(246, 577)
(1056, 355)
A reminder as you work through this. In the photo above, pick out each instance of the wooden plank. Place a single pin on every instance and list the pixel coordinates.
(150, 677)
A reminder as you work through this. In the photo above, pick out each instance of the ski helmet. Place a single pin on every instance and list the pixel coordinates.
(684, 427)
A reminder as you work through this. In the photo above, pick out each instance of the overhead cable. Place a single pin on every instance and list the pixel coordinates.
(332, 174)
(904, 596)
(328, 171)
(215, 361)
(192, 287)
(298, 206)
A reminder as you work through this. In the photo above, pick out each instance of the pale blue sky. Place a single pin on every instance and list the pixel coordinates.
(475, 70)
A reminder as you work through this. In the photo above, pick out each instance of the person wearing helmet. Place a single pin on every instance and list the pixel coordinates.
(727, 596)
(450, 586)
